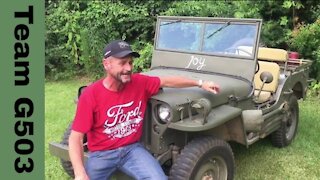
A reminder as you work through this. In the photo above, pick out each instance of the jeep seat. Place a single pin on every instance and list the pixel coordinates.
(272, 54)
(269, 88)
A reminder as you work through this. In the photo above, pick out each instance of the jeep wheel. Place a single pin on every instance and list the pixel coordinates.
(288, 129)
(204, 159)
(67, 166)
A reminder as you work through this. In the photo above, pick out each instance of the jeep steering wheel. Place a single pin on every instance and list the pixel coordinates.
(237, 51)
(257, 67)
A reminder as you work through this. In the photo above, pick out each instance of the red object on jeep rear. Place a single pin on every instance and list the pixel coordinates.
(293, 55)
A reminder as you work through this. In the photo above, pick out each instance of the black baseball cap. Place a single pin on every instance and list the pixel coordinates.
(118, 49)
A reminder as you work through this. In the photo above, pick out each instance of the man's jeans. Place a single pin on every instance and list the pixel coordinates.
(134, 160)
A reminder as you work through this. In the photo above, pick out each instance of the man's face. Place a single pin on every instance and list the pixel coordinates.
(120, 68)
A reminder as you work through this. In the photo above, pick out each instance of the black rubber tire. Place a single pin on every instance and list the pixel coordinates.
(67, 166)
(289, 126)
(202, 156)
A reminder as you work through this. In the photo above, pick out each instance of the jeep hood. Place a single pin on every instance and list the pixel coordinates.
(230, 87)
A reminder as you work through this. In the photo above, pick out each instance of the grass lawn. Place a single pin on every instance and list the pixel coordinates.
(261, 161)
(59, 111)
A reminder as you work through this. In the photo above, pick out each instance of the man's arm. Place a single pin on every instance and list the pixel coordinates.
(76, 154)
(180, 82)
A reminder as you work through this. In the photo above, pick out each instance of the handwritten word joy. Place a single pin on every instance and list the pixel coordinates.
(197, 62)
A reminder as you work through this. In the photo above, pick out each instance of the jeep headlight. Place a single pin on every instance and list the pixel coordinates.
(164, 113)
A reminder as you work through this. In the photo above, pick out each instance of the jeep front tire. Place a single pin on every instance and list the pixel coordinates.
(204, 159)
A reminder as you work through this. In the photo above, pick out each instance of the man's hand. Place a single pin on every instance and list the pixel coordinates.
(76, 154)
(211, 87)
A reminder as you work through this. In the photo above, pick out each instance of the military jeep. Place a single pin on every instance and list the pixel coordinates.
(188, 130)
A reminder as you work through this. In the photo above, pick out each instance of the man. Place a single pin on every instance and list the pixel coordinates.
(110, 111)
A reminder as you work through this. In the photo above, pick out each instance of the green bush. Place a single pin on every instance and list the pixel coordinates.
(200, 8)
(76, 31)
(314, 88)
(306, 40)
(144, 61)
(63, 40)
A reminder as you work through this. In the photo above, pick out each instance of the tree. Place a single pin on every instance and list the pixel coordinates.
(78, 30)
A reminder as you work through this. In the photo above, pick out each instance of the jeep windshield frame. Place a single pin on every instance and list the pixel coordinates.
(222, 37)
(200, 34)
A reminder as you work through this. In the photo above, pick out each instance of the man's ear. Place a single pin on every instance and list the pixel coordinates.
(106, 64)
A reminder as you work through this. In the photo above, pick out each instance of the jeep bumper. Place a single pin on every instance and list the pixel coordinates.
(62, 151)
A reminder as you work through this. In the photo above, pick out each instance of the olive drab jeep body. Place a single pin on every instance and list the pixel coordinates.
(188, 129)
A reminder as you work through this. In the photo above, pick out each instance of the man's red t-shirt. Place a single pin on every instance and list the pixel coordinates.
(114, 119)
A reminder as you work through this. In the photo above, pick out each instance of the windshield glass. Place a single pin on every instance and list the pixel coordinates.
(180, 36)
(222, 38)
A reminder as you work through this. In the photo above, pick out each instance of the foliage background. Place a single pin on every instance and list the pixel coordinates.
(76, 31)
